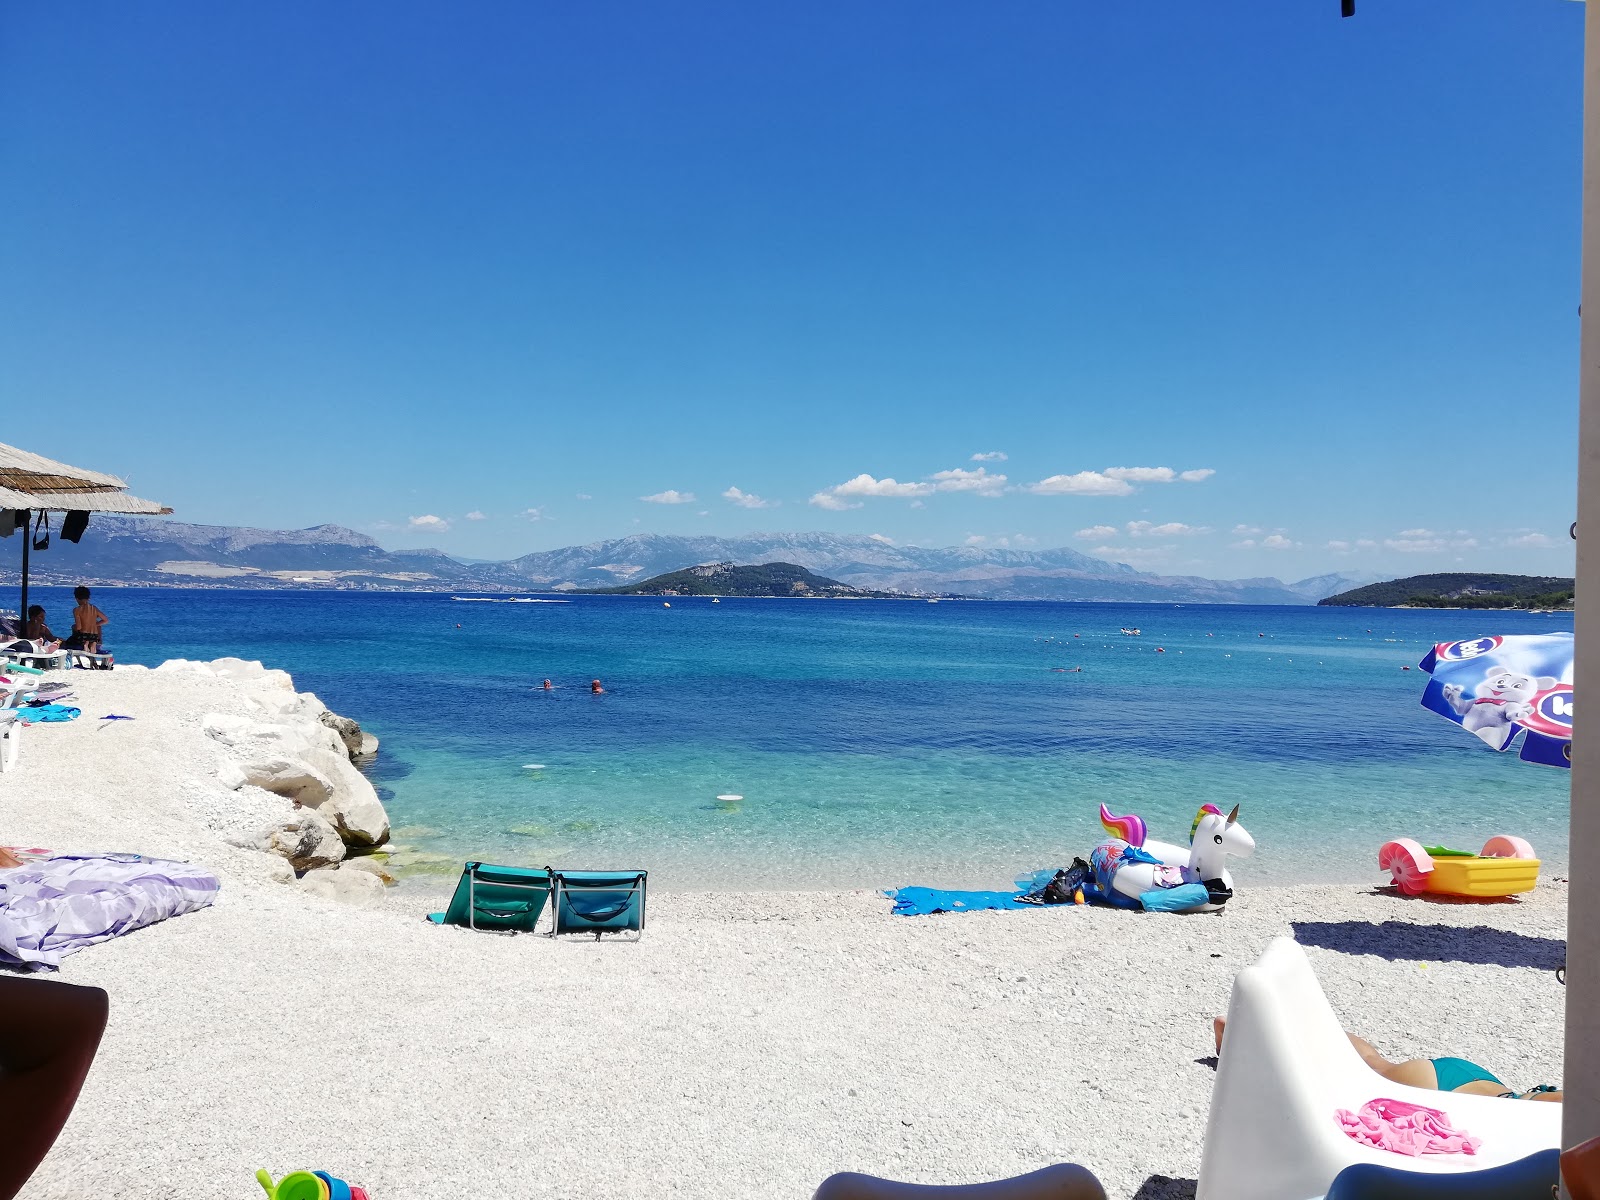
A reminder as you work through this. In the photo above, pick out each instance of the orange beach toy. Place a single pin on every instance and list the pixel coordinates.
(1505, 866)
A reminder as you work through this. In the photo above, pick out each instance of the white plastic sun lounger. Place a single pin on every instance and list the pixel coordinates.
(10, 739)
(45, 660)
(1287, 1066)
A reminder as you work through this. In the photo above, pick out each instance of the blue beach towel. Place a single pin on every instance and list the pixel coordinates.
(921, 901)
(46, 712)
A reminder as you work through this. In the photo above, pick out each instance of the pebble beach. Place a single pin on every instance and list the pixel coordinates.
(749, 1045)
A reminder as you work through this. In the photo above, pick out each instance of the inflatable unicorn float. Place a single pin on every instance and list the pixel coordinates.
(1135, 872)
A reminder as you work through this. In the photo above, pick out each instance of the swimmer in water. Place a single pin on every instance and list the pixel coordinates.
(547, 685)
(595, 687)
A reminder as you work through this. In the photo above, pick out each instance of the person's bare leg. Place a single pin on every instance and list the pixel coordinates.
(49, 1033)
(1414, 1072)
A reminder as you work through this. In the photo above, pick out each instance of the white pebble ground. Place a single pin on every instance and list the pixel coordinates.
(748, 1046)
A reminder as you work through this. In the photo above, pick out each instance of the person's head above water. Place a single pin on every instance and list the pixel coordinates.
(595, 687)
(547, 685)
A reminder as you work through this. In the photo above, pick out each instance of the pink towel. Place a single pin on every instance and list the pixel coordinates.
(1405, 1129)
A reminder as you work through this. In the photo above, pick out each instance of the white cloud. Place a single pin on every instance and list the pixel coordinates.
(585, 496)
(1246, 530)
(1340, 547)
(1142, 474)
(878, 537)
(1199, 475)
(428, 524)
(990, 456)
(532, 514)
(839, 496)
(1426, 541)
(1096, 533)
(1170, 529)
(1530, 539)
(918, 504)
(975, 539)
(702, 513)
(747, 499)
(866, 485)
(831, 502)
(1084, 483)
(670, 496)
(1273, 541)
(475, 515)
(961, 480)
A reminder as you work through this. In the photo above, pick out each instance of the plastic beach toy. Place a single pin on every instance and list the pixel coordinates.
(1504, 867)
(297, 1185)
(309, 1185)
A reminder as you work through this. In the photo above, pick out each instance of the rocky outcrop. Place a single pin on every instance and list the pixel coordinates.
(349, 732)
(352, 805)
(306, 839)
(296, 748)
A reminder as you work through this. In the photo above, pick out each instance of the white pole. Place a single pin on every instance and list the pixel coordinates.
(1580, 1119)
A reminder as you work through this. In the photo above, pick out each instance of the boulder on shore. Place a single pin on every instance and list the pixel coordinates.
(305, 838)
(360, 888)
(353, 805)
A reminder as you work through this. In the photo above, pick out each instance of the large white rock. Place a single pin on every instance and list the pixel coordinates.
(285, 737)
(305, 838)
(353, 806)
(360, 888)
(281, 775)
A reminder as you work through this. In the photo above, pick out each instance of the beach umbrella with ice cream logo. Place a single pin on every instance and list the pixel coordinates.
(33, 486)
(1509, 690)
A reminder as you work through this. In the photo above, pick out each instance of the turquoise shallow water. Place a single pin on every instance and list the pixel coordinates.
(879, 743)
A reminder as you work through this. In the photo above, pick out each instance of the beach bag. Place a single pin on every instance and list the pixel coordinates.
(1066, 884)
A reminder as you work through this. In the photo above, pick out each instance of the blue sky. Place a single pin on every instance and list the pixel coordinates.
(491, 276)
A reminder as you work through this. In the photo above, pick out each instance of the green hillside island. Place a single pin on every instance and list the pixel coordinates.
(726, 579)
(1461, 590)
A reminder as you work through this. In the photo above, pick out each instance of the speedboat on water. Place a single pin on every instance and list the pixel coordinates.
(1130, 632)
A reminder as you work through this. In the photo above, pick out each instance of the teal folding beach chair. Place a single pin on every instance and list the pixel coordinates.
(597, 902)
(503, 899)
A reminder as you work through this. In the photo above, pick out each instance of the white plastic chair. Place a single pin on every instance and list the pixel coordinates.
(1286, 1066)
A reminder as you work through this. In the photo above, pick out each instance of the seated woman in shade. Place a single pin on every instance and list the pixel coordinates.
(37, 631)
(1432, 1074)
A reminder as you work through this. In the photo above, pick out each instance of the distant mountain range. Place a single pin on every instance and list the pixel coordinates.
(151, 551)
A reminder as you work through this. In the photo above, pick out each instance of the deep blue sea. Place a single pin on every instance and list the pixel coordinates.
(877, 743)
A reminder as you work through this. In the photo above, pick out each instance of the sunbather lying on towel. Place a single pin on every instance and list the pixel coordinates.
(1433, 1074)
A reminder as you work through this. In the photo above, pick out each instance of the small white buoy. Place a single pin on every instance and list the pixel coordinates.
(664, 604)
(533, 766)
(729, 799)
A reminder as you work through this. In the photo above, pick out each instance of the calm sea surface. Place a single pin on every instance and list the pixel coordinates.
(877, 743)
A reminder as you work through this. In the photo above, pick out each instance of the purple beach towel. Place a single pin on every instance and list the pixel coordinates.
(60, 905)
